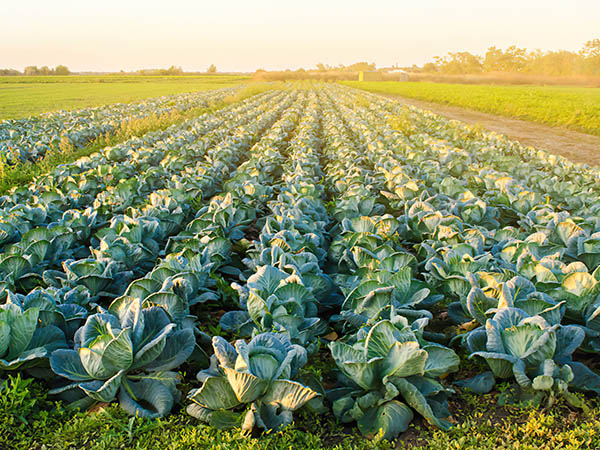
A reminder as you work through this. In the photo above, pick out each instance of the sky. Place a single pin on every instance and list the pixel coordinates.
(112, 35)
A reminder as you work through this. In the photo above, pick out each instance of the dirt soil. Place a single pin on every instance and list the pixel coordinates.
(576, 146)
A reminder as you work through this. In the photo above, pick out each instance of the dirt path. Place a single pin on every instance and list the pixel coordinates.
(578, 147)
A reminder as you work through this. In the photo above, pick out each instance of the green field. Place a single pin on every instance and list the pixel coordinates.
(577, 108)
(25, 96)
(199, 204)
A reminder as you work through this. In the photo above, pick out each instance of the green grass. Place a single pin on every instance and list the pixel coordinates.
(577, 108)
(25, 96)
(29, 420)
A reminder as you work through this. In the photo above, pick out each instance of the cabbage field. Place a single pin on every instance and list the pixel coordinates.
(29, 139)
(310, 251)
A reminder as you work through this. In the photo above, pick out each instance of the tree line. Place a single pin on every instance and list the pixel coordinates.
(35, 70)
(64, 70)
(519, 60)
(45, 70)
(173, 70)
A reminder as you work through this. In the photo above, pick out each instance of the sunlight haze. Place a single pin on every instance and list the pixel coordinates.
(243, 36)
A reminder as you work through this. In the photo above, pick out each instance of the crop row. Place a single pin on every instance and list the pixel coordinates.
(320, 224)
(30, 138)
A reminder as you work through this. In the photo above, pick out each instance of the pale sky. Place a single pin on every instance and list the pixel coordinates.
(110, 35)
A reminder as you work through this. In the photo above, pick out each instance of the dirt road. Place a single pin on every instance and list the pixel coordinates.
(578, 147)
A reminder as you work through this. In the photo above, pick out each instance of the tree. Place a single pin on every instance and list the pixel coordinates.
(591, 49)
(62, 70)
(11, 72)
(211, 69)
(31, 70)
(459, 63)
(514, 59)
(493, 60)
(357, 67)
(559, 63)
(173, 70)
(430, 67)
(591, 55)
(324, 67)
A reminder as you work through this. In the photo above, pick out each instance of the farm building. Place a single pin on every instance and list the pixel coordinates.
(398, 74)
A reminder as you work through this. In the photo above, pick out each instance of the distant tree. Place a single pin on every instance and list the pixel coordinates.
(591, 55)
(45, 70)
(560, 63)
(61, 70)
(173, 70)
(260, 74)
(9, 72)
(211, 69)
(514, 59)
(591, 49)
(356, 67)
(31, 70)
(321, 67)
(459, 63)
(493, 60)
(430, 67)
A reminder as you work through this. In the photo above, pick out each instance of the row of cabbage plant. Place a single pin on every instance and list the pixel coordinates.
(133, 167)
(350, 214)
(53, 315)
(496, 272)
(30, 138)
(129, 244)
(163, 333)
(256, 383)
(387, 367)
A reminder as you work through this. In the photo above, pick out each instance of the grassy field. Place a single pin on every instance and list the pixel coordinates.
(577, 108)
(25, 96)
